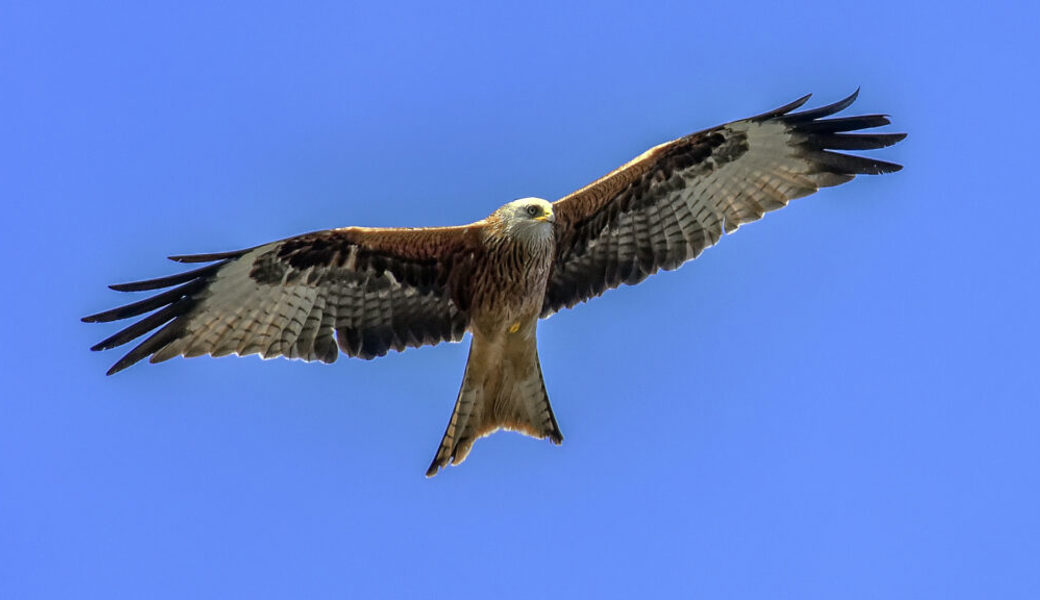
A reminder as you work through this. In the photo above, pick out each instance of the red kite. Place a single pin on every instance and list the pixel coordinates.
(365, 291)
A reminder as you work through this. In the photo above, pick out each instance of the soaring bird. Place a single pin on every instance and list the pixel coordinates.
(365, 291)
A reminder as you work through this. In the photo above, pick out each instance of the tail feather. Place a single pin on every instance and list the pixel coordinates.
(508, 393)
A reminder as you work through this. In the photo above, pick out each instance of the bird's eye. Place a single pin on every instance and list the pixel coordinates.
(534, 210)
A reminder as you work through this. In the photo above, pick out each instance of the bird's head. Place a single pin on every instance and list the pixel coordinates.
(528, 219)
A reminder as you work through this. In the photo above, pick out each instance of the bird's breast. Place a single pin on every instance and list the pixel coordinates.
(510, 285)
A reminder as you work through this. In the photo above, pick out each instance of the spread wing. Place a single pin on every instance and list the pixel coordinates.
(362, 291)
(669, 204)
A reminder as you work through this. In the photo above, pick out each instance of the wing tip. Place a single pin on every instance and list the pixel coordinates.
(173, 305)
(123, 363)
(886, 167)
(782, 110)
(822, 136)
(891, 139)
(785, 111)
(211, 257)
(823, 111)
(127, 361)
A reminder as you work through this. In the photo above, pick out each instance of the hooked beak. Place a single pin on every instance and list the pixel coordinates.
(549, 218)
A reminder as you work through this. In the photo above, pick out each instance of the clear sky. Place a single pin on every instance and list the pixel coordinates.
(839, 401)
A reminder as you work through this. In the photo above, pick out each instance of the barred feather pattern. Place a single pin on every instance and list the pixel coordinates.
(669, 204)
(307, 297)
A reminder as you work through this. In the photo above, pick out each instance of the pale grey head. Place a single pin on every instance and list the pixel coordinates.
(529, 220)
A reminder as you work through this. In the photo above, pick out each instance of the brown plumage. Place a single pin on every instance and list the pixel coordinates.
(364, 291)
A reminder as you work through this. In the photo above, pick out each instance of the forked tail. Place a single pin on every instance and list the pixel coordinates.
(502, 389)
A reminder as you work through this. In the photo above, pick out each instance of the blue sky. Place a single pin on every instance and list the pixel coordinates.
(839, 401)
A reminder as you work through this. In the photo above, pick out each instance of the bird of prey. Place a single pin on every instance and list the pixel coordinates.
(365, 291)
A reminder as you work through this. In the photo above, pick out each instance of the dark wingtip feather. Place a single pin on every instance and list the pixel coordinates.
(823, 111)
(855, 141)
(822, 136)
(162, 282)
(143, 306)
(172, 304)
(848, 163)
(149, 346)
(214, 256)
(157, 319)
(845, 124)
(783, 110)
